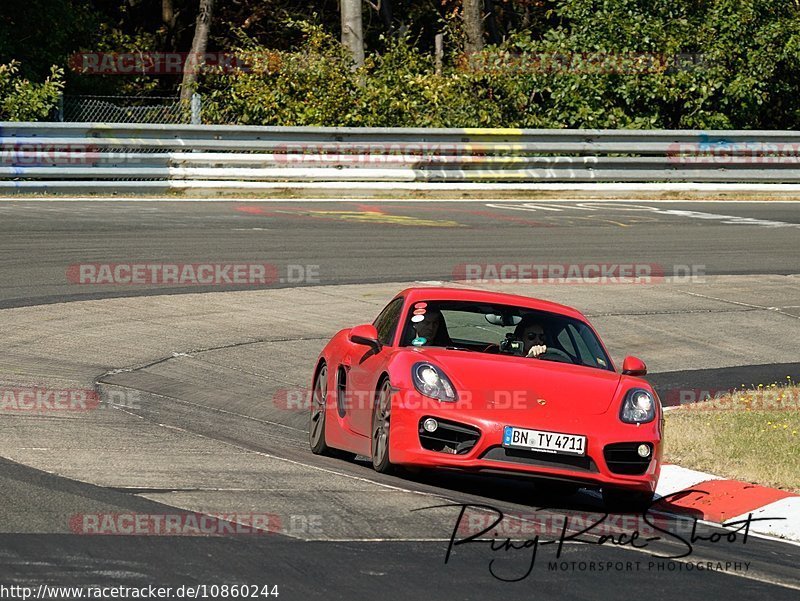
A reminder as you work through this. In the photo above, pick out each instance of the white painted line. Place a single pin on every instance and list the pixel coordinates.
(381, 200)
(283, 459)
(417, 540)
(191, 404)
(675, 478)
(788, 527)
(748, 305)
(467, 187)
(716, 217)
(379, 540)
(400, 185)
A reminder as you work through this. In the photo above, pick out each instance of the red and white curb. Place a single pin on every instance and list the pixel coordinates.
(720, 500)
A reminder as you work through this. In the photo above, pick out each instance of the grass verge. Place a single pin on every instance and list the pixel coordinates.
(751, 435)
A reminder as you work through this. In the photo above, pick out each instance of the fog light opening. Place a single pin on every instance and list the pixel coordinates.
(430, 425)
(643, 450)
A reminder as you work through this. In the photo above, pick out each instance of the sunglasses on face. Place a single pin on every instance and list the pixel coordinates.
(535, 335)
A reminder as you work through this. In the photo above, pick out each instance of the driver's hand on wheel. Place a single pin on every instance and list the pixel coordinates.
(537, 350)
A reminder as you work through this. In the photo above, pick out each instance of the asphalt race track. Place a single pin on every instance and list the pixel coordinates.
(202, 386)
(380, 241)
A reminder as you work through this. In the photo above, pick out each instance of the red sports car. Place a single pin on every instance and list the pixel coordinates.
(489, 382)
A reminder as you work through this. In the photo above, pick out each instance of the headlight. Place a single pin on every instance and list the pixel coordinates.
(431, 382)
(639, 407)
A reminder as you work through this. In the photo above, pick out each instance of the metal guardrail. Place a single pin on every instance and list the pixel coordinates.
(56, 156)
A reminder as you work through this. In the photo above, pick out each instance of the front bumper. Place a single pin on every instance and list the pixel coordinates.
(488, 454)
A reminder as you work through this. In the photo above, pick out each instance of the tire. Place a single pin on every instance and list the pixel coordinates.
(316, 426)
(621, 500)
(381, 417)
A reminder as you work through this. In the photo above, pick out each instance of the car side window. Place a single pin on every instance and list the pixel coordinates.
(565, 342)
(386, 322)
(590, 355)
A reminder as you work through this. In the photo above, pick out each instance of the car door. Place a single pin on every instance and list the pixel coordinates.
(366, 366)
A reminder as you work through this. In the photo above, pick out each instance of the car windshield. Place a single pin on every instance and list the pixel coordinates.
(504, 330)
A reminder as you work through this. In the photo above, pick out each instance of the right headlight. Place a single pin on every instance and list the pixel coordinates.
(639, 407)
(430, 381)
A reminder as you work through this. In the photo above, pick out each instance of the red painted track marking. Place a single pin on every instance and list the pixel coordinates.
(721, 500)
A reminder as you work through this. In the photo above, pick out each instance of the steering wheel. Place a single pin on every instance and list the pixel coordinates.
(556, 355)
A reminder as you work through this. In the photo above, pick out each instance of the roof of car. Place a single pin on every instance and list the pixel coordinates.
(440, 293)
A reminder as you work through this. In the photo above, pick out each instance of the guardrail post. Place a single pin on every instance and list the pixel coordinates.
(197, 105)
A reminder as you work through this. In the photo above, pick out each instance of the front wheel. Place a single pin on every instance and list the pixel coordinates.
(316, 426)
(381, 416)
(621, 500)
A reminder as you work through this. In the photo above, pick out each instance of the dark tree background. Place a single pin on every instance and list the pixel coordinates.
(505, 63)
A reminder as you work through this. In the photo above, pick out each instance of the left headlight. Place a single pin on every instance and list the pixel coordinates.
(430, 381)
(639, 407)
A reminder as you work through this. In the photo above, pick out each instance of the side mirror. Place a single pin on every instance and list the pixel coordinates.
(366, 335)
(633, 366)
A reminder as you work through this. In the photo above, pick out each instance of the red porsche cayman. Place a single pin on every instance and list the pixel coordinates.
(488, 382)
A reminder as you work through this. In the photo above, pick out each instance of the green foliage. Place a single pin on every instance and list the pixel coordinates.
(42, 33)
(22, 100)
(609, 64)
(114, 40)
(318, 86)
(745, 75)
(560, 63)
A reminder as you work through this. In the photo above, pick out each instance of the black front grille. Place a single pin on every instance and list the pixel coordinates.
(449, 437)
(623, 458)
(570, 462)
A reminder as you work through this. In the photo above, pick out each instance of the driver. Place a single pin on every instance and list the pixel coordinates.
(432, 330)
(531, 332)
(428, 328)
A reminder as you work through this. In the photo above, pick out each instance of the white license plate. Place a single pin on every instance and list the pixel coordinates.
(546, 442)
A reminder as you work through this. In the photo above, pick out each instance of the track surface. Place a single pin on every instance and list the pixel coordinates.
(362, 242)
(208, 432)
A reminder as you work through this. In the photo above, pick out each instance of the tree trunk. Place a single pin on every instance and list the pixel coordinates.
(352, 31)
(438, 42)
(168, 21)
(196, 57)
(168, 13)
(473, 26)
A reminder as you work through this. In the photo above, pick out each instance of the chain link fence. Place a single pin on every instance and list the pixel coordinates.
(129, 109)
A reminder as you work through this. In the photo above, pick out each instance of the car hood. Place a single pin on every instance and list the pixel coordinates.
(502, 381)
